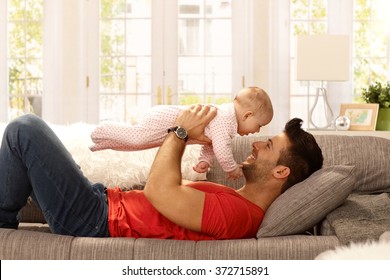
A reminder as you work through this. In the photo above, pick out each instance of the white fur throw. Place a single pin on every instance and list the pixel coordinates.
(370, 250)
(115, 168)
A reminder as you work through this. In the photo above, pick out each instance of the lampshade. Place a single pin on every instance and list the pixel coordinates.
(322, 58)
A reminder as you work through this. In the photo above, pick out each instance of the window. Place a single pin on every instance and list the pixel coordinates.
(25, 57)
(369, 29)
(180, 55)
(205, 52)
(125, 59)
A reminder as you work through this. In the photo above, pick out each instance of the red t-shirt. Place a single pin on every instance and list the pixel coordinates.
(226, 215)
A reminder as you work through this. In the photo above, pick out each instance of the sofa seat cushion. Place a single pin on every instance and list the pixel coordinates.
(307, 203)
(34, 245)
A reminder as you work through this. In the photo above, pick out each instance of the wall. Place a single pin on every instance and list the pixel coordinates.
(261, 51)
(64, 64)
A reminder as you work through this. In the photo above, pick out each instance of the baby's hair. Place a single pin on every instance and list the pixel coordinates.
(256, 99)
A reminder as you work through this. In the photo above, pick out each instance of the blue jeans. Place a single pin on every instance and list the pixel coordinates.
(34, 162)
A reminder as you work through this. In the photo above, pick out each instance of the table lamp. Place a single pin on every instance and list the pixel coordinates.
(322, 58)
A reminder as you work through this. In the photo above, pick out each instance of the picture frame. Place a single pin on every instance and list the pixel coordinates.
(362, 116)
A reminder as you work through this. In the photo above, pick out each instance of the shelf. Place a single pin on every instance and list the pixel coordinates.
(383, 134)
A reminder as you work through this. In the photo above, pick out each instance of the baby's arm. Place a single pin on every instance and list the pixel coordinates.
(224, 154)
(221, 135)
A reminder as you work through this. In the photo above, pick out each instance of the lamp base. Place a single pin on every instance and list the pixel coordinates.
(321, 115)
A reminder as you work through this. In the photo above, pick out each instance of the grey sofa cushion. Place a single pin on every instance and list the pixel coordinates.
(370, 155)
(307, 203)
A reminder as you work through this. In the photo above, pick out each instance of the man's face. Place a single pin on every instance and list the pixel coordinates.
(264, 157)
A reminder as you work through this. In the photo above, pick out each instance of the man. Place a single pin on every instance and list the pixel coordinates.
(34, 162)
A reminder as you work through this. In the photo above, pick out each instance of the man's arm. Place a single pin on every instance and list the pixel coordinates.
(180, 204)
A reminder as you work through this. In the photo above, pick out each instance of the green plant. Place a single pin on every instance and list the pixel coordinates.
(377, 93)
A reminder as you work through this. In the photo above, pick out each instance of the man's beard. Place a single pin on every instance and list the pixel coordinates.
(257, 172)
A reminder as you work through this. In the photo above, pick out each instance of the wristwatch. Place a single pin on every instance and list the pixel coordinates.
(180, 132)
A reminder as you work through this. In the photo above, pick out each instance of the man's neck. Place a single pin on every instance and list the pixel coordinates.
(262, 197)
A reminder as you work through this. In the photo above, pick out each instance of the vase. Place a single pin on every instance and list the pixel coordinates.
(383, 121)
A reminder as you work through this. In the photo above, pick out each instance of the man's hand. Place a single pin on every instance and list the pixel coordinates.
(195, 119)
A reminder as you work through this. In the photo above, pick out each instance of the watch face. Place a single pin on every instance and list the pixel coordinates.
(181, 133)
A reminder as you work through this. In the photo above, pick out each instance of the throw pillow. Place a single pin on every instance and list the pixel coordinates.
(307, 203)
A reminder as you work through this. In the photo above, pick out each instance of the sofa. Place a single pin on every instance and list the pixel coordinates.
(346, 201)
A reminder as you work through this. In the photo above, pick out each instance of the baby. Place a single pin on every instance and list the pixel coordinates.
(250, 110)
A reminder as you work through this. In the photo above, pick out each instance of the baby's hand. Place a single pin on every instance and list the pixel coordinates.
(235, 174)
(201, 167)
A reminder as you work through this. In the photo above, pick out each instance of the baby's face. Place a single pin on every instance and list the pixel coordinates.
(253, 123)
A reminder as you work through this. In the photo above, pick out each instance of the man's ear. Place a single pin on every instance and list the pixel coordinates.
(281, 171)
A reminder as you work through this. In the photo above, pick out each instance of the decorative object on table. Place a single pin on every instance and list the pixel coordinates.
(342, 123)
(380, 94)
(322, 58)
(361, 116)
